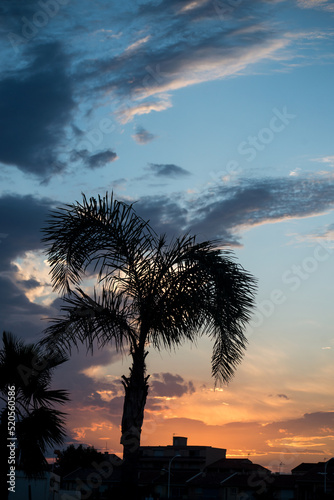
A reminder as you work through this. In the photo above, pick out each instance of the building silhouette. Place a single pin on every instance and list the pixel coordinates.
(182, 471)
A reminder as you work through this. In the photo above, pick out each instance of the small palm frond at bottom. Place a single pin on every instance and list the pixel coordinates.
(41, 429)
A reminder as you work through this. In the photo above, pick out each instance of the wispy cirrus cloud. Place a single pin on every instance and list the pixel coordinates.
(326, 5)
(134, 46)
(224, 212)
(156, 74)
(327, 160)
(171, 45)
(127, 113)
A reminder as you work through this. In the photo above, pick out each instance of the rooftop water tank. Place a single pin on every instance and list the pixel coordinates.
(179, 441)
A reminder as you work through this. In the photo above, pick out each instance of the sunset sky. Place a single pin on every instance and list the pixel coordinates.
(217, 118)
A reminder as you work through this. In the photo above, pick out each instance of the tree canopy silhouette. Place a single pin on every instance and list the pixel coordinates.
(149, 292)
(28, 368)
(73, 457)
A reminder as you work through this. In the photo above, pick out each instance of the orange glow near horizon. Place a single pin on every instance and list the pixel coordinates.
(277, 418)
(268, 442)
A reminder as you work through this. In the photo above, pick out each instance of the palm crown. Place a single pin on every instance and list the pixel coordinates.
(28, 368)
(149, 292)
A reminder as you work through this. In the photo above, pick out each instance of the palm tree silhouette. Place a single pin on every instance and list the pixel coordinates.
(148, 293)
(29, 368)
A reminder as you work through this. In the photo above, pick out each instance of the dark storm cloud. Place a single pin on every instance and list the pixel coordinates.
(17, 314)
(22, 218)
(35, 105)
(85, 386)
(169, 385)
(14, 303)
(29, 284)
(161, 385)
(142, 136)
(26, 21)
(97, 160)
(12, 11)
(167, 170)
(115, 409)
(85, 391)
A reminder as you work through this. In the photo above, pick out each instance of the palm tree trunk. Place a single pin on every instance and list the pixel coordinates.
(136, 390)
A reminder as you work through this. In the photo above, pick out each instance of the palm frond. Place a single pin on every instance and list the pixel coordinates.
(104, 319)
(49, 397)
(41, 429)
(29, 368)
(105, 233)
(198, 290)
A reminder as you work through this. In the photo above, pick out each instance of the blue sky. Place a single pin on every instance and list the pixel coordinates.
(216, 117)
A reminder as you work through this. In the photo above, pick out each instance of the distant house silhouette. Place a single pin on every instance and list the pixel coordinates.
(201, 472)
(191, 457)
(313, 478)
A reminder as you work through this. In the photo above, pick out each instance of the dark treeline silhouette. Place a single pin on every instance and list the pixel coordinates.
(73, 457)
